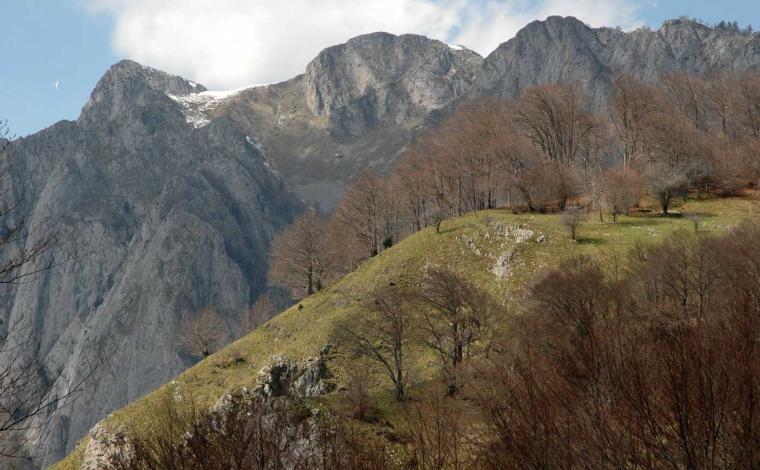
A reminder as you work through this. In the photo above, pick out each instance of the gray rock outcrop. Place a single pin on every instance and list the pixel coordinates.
(279, 387)
(299, 379)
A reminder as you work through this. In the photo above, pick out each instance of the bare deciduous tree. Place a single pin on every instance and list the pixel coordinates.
(202, 334)
(638, 372)
(380, 332)
(687, 94)
(747, 104)
(545, 183)
(666, 184)
(572, 218)
(363, 212)
(300, 255)
(438, 433)
(556, 118)
(456, 320)
(631, 104)
(263, 310)
(621, 190)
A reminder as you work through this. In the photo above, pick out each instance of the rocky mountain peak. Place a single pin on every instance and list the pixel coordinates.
(129, 70)
(127, 86)
(381, 78)
(559, 48)
(684, 35)
(554, 24)
(565, 49)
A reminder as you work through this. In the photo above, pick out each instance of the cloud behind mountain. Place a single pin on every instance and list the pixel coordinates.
(231, 43)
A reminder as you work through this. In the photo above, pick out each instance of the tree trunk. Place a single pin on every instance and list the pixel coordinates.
(400, 394)
(310, 281)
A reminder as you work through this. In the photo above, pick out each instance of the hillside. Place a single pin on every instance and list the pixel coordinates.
(500, 251)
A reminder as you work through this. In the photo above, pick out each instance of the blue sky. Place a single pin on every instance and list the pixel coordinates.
(44, 41)
(73, 42)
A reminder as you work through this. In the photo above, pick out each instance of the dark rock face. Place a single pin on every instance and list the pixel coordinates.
(167, 195)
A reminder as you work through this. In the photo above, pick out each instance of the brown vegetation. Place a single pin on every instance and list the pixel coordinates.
(301, 259)
(380, 333)
(655, 370)
(202, 334)
(456, 321)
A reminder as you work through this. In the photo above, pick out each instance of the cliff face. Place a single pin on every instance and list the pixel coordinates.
(566, 49)
(166, 195)
(386, 79)
(156, 220)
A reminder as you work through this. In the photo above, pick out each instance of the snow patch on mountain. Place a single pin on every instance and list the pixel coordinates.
(196, 106)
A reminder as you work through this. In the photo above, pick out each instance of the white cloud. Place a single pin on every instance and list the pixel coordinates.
(232, 43)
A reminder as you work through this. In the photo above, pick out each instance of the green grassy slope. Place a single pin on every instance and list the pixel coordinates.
(470, 245)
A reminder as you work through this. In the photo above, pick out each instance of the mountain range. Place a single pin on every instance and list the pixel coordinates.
(164, 196)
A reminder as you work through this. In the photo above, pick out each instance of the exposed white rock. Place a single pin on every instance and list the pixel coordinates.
(196, 106)
(503, 265)
(301, 379)
(515, 233)
(102, 448)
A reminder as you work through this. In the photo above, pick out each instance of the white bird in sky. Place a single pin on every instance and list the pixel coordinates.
(56, 83)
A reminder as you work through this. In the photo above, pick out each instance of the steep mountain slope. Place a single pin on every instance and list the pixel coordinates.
(474, 246)
(168, 194)
(157, 221)
(566, 49)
